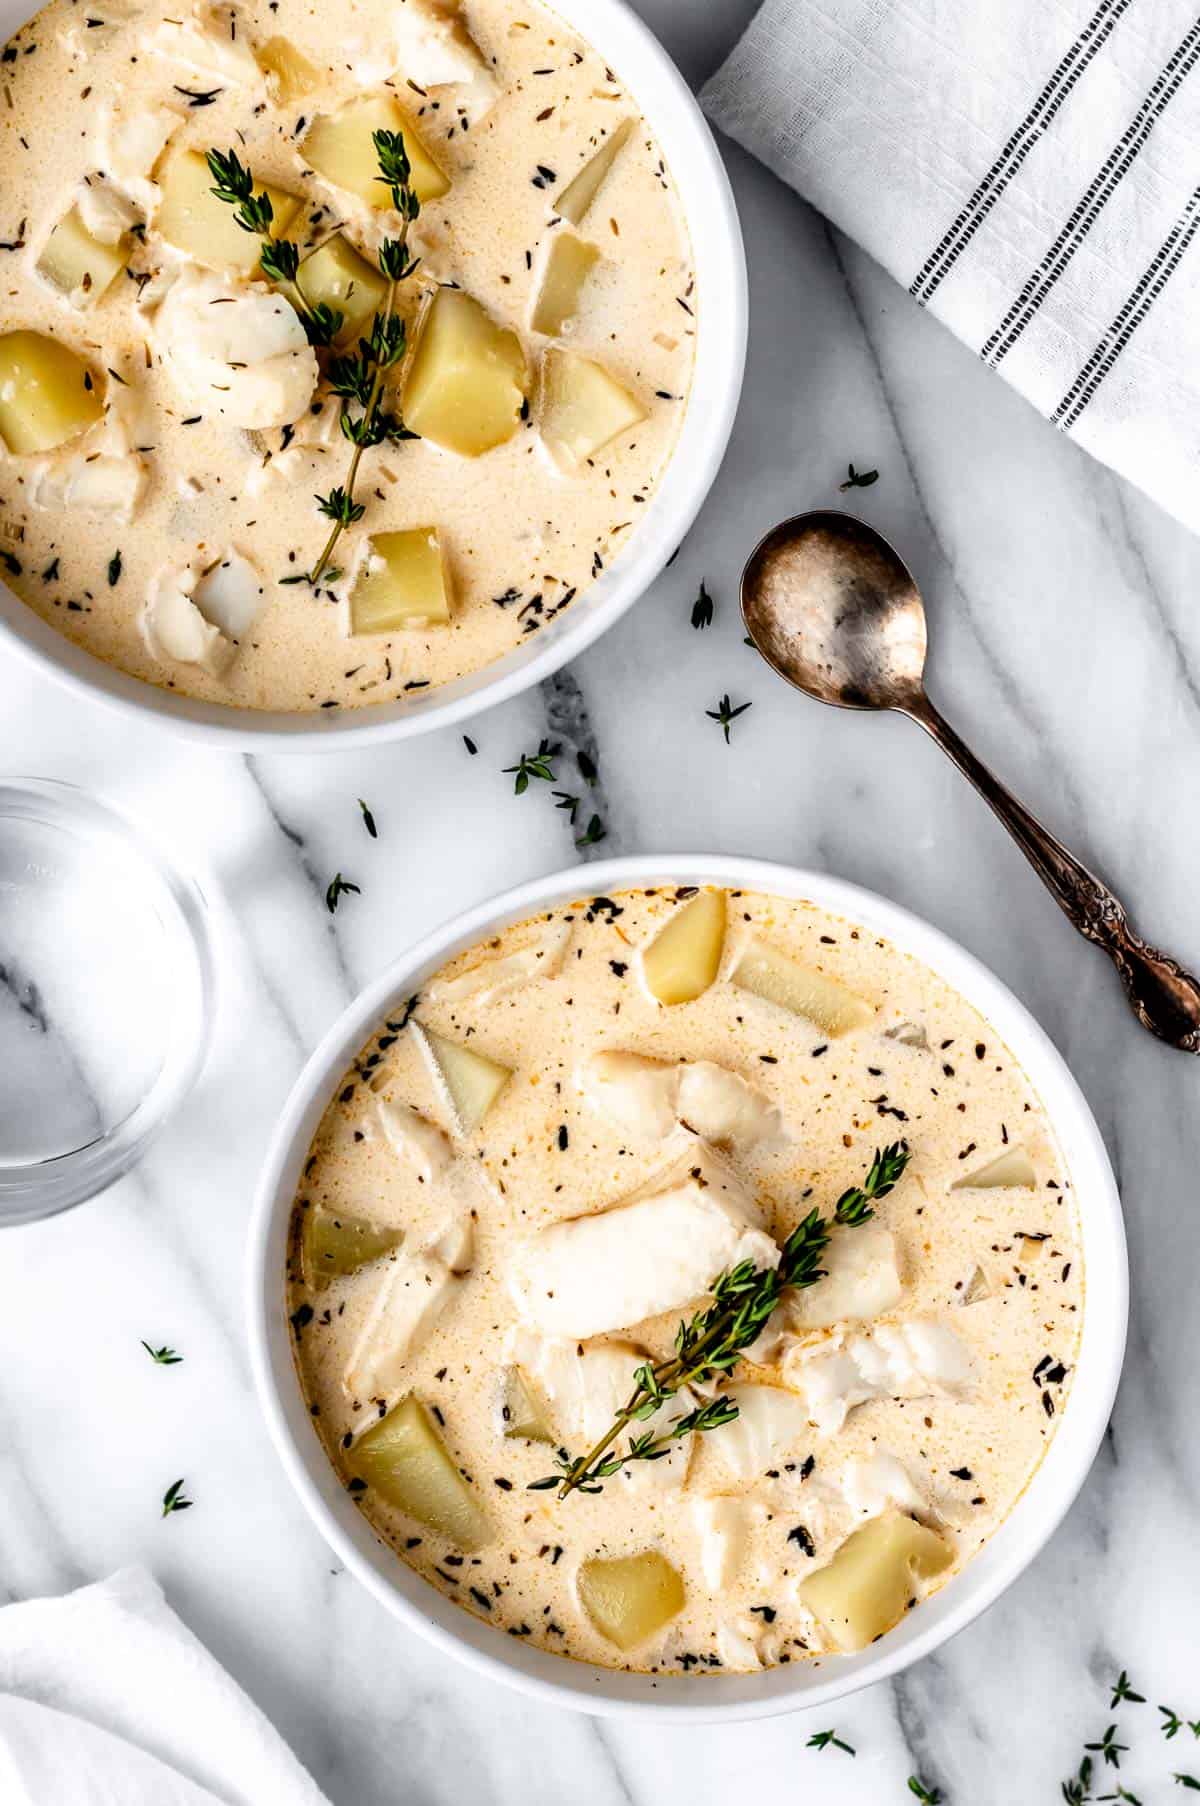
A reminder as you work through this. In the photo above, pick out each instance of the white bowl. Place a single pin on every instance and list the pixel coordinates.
(603, 1690)
(720, 267)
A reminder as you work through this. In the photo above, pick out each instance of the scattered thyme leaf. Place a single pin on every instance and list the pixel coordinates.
(338, 887)
(173, 1499)
(368, 820)
(702, 609)
(1123, 1690)
(166, 1357)
(1108, 1747)
(725, 713)
(928, 1796)
(114, 569)
(533, 765)
(822, 1740)
(594, 831)
(858, 479)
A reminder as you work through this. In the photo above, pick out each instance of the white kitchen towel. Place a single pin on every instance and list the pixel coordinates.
(107, 1699)
(1027, 169)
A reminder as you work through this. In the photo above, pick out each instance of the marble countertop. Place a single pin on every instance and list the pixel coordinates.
(1066, 644)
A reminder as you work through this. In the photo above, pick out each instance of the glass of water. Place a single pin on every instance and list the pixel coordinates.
(106, 995)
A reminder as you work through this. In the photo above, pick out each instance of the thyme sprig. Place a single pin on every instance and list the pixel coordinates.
(359, 379)
(356, 377)
(280, 257)
(713, 1341)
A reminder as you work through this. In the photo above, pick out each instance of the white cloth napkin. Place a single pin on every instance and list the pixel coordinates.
(1030, 171)
(106, 1699)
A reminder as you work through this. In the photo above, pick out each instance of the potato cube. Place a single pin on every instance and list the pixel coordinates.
(583, 407)
(683, 959)
(404, 1460)
(193, 220)
(468, 1081)
(466, 385)
(79, 265)
(1012, 1168)
(767, 973)
(341, 147)
(336, 276)
(288, 70)
(582, 190)
(568, 264)
(401, 583)
(524, 1415)
(866, 1588)
(332, 1243)
(47, 393)
(630, 1598)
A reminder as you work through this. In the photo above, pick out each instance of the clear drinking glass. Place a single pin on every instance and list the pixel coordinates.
(106, 991)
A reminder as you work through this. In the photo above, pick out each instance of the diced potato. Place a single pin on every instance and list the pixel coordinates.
(683, 959)
(466, 385)
(47, 393)
(568, 265)
(78, 264)
(402, 583)
(341, 147)
(336, 276)
(524, 1416)
(767, 973)
(1012, 1168)
(193, 220)
(469, 1081)
(582, 190)
(404, 1460)
(630, 1598)
(290, 73)
(583, 407)
(332, 1243)
(866, 1588)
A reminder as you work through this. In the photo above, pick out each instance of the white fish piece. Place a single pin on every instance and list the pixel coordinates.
(435, 49)
(418, 1142)
(1012, 1168)
(871, 1484)
(584, 1385)
(492, 978)
(724, 1525)
(127, 143)
(230, 594)
(104, 211)
(174, 627)
(916, 1359)
(745, 1643)
(414, 1292)
(771, 1421)
(862, 1280)
(211, 42)
(236, 349)
(658, 1251)
(90, 483)
(649, 1097)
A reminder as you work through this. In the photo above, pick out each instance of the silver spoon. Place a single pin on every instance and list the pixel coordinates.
(833, 608)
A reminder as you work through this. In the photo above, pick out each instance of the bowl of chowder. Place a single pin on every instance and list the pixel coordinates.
(703, 1292)
(351, 378)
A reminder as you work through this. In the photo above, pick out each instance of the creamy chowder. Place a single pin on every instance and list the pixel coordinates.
(537, 1170)
(168, 415)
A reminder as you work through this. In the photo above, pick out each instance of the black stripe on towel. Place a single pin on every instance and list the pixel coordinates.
(1099, 192)
(1072, 65)
(1153, 280)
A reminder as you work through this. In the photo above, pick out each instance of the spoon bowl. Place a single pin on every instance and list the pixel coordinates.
(833, 607)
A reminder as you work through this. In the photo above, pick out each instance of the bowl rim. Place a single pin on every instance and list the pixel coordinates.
(718, 254)
(609, 1692)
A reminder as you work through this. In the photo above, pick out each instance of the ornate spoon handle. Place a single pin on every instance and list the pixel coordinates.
(1165, 998)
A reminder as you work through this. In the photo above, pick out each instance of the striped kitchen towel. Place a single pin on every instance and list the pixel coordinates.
(1029, 170)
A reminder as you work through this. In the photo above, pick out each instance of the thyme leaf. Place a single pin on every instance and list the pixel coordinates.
(166, 1357)
(858, 479)
(339, 887)
(725, 713)
(173, 1499)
